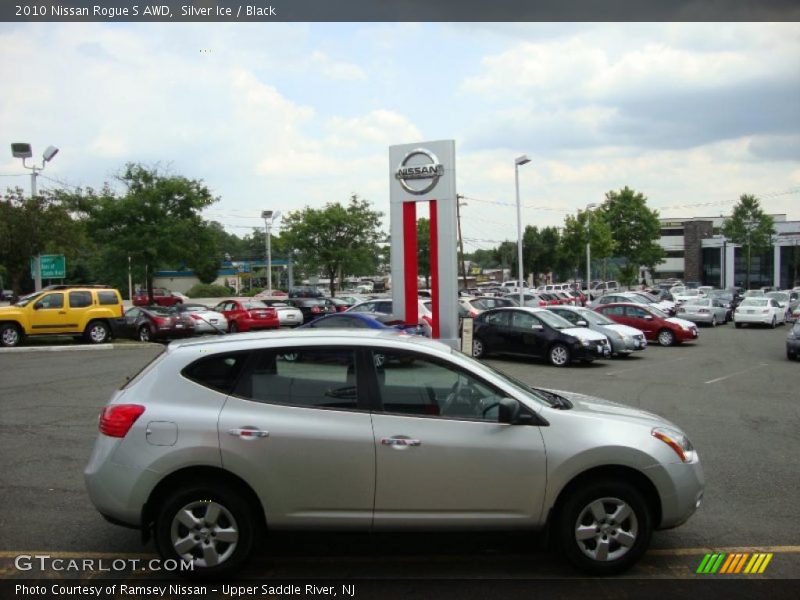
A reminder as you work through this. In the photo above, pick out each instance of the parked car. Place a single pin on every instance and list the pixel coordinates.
(153, 323)
(759, 310)
(355, 320)
(246, 314)
(793, 342)
(687, 295)
(782, 298)
(704, 310)
(311, 308)
(205, 319)
(727, 299)
(635, 298)
(338, 304)
(75, 310)
(288, 314)
(305, 291)
(604, 287)
(623, 339)
(476, 306)
(536, 332)
(656, 325)
(161, 297)
(434, 436)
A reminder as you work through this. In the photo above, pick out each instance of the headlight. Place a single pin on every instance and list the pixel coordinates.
(679, 443)
(626, 338)
(585, 342)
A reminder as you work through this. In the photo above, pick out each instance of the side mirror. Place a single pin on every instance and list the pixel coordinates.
(37, 306)
(537, 327)
(648, 317)
(581, 323)
(508, 411)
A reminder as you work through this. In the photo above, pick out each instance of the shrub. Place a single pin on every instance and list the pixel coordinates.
(203, 290)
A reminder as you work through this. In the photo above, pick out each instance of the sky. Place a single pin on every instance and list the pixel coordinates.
(283, 116)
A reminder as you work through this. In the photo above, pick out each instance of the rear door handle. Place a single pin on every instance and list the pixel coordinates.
(400, 442)
(248, 433)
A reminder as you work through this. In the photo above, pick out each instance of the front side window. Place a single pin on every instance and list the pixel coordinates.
(616, 311)
(499, 318)
(303, 377)
(412, 385)
(524, 320)
(51, 301)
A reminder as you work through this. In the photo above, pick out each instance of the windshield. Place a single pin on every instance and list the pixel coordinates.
(698, 302)
(779, 296)
(594, 318)
(554, 320)
(25, 300)
(254, 304)
(657, 312)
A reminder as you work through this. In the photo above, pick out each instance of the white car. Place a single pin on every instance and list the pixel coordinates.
(763, 311)
(205, 319)
(288, 315)
(686, 295)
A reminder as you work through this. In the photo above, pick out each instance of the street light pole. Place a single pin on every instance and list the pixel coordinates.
(749, 225)
(459, 204)
(518, 162)
(269, 217)
(23, 150)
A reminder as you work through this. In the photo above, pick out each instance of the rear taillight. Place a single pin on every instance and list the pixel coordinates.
(341, 308)
(316, 310)
(117, 419)
(195, 317)
(160, 321)
(473, 313)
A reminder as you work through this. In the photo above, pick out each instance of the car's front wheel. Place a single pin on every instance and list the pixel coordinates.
(210, 526)
(233, 327)
(604, 527)
(478, 348)
(144, 333)
(666, 337)
(559, 355)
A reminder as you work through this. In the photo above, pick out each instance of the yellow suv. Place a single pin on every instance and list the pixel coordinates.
(75, 310)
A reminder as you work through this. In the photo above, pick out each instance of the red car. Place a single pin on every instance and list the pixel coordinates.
(246, 314)
(656, 325)
(161, 297)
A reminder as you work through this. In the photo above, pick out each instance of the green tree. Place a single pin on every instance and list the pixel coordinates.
(749, 226)
(32, 226)
(336, 239)
(635, 229)
(424, 249)
(156, 223)
(583, 228)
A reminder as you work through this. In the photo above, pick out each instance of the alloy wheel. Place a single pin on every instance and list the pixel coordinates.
(606, 529)
(144, 333)
(559, 355)
(205, 533)
(666, 337)
(10, 336)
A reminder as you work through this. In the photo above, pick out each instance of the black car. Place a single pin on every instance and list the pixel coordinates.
(305, 291)
(312, 307)
(153, 323)
(536, 332)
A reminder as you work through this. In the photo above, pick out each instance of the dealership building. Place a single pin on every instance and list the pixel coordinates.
(696, 250)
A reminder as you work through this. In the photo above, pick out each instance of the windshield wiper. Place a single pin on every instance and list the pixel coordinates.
(558, 402)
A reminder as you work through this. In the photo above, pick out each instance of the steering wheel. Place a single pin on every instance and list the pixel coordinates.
(460, 401)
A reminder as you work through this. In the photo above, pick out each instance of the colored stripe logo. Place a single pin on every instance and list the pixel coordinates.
(732, 564)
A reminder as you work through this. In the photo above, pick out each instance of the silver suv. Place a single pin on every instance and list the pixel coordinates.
(218, 441)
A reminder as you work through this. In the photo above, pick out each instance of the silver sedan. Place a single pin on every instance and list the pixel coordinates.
(222, 439)
(704, 310)
(623, 339)
(205, 320)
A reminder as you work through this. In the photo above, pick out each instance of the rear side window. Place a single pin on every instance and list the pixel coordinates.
(80, 299)
(304, 377)
(218, 372)
(107, 297)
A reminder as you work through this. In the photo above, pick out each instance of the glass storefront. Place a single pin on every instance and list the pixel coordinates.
(761, 268)
(790, 266)
(711, 272)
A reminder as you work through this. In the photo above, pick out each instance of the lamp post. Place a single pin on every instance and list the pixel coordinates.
(23, 150)
(269, 217)
(459, 204)
(750, 226)
(589, 208)
(518, 162)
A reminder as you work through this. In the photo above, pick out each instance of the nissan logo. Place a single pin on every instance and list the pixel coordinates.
(428, 171)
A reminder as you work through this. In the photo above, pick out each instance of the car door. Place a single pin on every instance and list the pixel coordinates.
(442, 458)
(494, 328)
(641, 319)
(49, 315)
(298, 428)
(528, 333)
(128, 324)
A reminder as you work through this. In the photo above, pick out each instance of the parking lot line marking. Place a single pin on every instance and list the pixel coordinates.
(737, 373)
(645, 366)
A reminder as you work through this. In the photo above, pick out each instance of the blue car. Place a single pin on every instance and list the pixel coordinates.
(354, 320)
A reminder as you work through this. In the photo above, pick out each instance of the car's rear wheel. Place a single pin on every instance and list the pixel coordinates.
(774, 322)
(737, 325)
(144, 333)
(478, 348)
(559, 355)
(713, 320)
(10, 335)
(666, 337)
(604, 527)
(97, 332)
(211, 526)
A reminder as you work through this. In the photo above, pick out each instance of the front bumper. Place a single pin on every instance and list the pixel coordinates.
(592, 352)
(680, 487)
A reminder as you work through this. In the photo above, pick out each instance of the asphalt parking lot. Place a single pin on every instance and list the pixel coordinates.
(733, 392)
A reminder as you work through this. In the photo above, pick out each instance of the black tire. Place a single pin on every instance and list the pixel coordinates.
(666, 338)
(478, 348)
(625, 541)
(234, 517)
(737, 325)
(774, 322)
(791, 355)
(10, 335)
(559, 355)
(144, 333)
(233, 327)
(713, 320)
(97, 332)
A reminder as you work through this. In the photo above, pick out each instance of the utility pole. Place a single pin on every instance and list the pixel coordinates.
(459, 197)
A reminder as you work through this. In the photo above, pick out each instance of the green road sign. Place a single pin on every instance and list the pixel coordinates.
(54, 266)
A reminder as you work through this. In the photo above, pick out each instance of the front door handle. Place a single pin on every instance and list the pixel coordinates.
(400, 442)
(248, 433)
